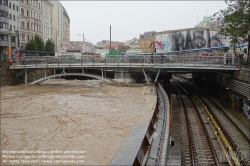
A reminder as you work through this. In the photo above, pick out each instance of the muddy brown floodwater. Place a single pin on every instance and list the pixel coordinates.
(77, 115)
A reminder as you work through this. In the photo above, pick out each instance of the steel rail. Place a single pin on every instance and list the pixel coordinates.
(188, 124)
(217, 126)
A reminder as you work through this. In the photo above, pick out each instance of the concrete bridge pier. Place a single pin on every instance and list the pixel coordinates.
(26, 76)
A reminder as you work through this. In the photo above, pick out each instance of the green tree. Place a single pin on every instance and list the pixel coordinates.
(31, 45)
(234, 21)
(122, 48)
(49, 45)
(35, 44)
(39, 41)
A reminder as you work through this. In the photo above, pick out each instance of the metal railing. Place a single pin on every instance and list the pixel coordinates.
(83, 60)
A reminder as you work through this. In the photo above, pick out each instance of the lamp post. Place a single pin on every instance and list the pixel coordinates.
(110, 39)
(248, 50)
(88, 50)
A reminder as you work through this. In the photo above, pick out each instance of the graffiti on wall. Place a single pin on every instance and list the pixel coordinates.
(71, 45)
(190, 39)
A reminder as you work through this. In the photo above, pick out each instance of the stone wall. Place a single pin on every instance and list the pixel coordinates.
(14, 77)
(243, 75)
(7, 76)
(37, 74)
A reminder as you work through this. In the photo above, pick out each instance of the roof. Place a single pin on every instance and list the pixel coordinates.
(147, 35)
(65, 11)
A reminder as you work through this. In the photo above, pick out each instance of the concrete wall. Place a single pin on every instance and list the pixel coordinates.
(187, 39)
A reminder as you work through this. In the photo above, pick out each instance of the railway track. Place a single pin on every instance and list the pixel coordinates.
(238, 140)
(234, 136)
(197, 147)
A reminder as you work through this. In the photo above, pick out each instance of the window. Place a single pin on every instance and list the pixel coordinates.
(16, 8)
(22, 24)
(28, 37)
(4, 2)
(10, 17)
(39, 16)
(39, 5)
(10, 5)
(14, 18)
(23, 37)
(13, 39)
(14, 28)
(34, 27)
(30, 13)
(27, 12)
(27, 1)
(13, 6)
(11, 27)
(28, 26)
(22, 11)
(3, 13)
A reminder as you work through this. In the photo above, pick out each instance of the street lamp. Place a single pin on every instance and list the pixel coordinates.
(88, 50)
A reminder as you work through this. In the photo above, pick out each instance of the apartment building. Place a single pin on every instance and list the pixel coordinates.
(66, 26)
(30, 20)
(47, 11)
(47, 18)
(9, 26)
(21, 20)
(57, 28)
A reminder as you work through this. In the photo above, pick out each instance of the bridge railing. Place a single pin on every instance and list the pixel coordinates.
(131, 60)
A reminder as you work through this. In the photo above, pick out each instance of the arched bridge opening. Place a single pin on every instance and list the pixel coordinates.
(74, 74)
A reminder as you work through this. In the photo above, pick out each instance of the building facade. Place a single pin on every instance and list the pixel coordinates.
(133, 43)
(57, 22)
(30, 20)
(146, 42)
(9, 26)
(66, 26)
(47, 10)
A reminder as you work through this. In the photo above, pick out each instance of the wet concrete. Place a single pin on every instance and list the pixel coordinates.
(174, 153)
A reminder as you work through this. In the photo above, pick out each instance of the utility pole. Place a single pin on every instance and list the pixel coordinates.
(110, 40)
(248, 50)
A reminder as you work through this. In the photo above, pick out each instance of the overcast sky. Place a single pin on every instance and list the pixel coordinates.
(129, 19)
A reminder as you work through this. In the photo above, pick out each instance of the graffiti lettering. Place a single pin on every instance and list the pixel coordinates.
(190, 39)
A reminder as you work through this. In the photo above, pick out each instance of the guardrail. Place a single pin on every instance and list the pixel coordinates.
(95, 60)
(155, 142)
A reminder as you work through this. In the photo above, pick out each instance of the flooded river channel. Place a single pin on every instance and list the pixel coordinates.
(89, 118)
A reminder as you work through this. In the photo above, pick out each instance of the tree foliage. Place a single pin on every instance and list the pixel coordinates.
(31, 45)
(234, 21)
(39, 42)
(49, 45)
(122, 48)
(35, 44)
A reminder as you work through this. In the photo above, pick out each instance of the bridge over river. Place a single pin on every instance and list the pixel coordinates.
(144, 63)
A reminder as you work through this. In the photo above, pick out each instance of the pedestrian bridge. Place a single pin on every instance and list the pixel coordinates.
(169, 63)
